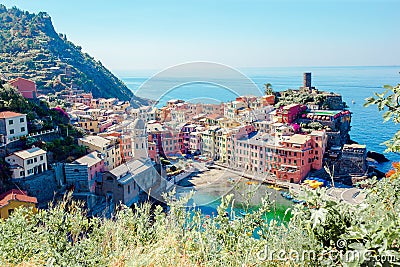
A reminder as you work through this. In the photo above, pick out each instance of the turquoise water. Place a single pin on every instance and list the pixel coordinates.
(247, 197)
(353, 83)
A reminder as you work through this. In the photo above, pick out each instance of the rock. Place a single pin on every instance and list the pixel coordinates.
(350, 142)
(380, 158)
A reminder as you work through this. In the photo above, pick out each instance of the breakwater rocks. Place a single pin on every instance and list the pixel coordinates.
(380, 158)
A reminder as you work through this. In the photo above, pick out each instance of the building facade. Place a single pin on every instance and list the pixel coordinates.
(12, 125)
(28, 162)
(26, 87)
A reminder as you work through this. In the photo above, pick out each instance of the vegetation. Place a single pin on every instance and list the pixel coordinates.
(302, 97)
(30, 47)
(41, 117)
(389, 101)
(311, 126)
(268, 89)
(64, 236)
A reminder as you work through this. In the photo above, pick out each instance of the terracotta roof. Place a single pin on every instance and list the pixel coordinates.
(213, 116)
(19, 78)
(9, 114)
(17, 195)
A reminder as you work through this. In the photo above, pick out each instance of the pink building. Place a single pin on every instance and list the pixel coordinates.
(186, 130)
(152, 148)
(104, 125)
(288, 114)
(289, 159)
(167, 140)
(26, 87)
(95, 165)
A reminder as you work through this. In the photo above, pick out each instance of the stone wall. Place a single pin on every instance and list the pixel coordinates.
(42, 186)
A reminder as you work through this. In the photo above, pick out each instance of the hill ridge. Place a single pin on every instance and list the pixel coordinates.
(31, 48)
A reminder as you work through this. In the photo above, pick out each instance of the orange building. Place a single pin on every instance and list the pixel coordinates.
(14, 199)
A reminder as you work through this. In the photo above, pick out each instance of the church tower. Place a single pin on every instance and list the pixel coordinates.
(139, 140)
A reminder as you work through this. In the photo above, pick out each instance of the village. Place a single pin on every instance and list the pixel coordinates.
(134, 153)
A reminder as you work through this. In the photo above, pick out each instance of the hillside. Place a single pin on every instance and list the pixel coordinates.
(31, 48)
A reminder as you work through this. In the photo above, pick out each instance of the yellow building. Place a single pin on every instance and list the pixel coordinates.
(109, 147)
(89, 124)
(14, 199)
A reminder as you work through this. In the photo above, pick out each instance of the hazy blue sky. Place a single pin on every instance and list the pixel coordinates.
(154, 34)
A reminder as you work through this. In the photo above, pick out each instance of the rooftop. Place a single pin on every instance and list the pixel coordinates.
(127, 171)
(90, 159)
(298, 139)
(354, 146)
(9, 114)
(29, 153)
(95, 140)
(16, 195)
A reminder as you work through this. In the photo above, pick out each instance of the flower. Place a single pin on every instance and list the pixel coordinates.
(396, 165)
(390, 173)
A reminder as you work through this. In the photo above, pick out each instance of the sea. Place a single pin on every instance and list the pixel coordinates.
(355, 84)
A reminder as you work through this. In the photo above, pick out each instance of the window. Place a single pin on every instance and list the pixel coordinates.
(22, 129)
(129, 189)
(41, 157)
(10, 212)
(12, 131)
(35, 159)
(10, 122)
(21, 173)
(21, 120)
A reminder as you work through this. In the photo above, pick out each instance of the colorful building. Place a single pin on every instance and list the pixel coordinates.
(109, 147)
(288, 159)
(14, 199)
(26, 87)
(289, 113)
(94, 163)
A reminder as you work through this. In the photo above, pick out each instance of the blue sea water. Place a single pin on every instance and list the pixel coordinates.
(355, 84)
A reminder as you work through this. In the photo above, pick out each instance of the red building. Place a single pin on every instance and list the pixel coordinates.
(26, 87)
(288, 114)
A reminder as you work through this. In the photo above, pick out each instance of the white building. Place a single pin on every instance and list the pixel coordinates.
(12, 125)
(28, 162)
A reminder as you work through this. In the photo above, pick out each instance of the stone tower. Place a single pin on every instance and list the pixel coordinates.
(139, 139)
(307, 79)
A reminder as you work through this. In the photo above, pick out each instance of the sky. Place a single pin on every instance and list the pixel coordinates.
(130, 35)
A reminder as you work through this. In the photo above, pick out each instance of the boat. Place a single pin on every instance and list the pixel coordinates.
(298, 201)
(287, 195)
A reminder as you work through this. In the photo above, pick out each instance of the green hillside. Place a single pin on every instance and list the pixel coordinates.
(31, 48)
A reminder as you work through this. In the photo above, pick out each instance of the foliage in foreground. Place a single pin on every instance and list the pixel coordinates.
(64, 236)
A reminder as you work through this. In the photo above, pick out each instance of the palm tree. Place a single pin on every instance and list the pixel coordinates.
(268, 89)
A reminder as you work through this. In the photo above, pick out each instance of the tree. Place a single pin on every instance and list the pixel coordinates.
(268, 89)
(388, 101)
